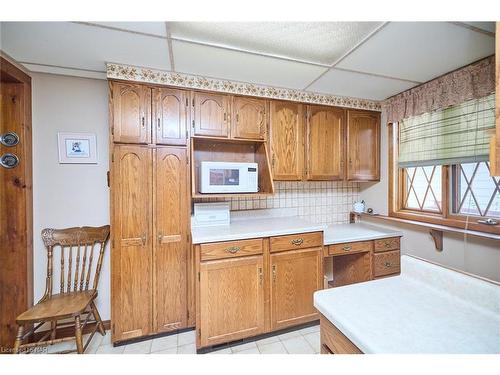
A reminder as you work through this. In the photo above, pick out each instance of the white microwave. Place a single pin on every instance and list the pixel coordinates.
(226, 177)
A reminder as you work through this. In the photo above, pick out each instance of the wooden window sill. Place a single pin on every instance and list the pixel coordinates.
(436, 227)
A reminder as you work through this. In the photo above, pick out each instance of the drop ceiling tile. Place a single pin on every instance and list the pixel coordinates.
(486, 26)
(419, 51)
(340, 82)
(154, 28)
(239, 66)
(80, 46)
(319, 42)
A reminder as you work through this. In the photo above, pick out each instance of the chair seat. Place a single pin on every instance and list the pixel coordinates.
(58, 306)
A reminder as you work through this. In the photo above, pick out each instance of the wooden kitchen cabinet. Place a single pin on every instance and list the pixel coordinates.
(130, 112)
(150, 226)
(231, 299)
(295, 276)
(171, 189)
(170, 116)
(286, 138)
(131, 270)
(211, 114)
(363, 146)
(249, 119)
(325, 143)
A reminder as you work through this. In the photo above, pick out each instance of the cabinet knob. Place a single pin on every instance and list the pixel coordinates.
(387, 264)
(233, 249)
(298, 241)
(143, 121)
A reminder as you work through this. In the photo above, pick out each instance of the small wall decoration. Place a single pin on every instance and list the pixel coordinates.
(77, 148)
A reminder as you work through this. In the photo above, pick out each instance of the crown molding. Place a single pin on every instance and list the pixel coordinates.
(161, 77)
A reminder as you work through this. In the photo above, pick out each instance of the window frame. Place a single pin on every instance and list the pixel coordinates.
(396, 195)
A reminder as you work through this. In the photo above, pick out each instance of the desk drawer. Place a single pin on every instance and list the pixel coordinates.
(350, 247)
(386, 244)
(387, 263)
(296, 241)
(230, 249)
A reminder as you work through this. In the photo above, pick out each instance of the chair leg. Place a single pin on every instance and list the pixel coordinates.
(98, 319)
(78, 335)
(19, 339)
(53, 325)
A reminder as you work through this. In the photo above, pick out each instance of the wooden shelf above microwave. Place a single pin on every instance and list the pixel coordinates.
(225, 150)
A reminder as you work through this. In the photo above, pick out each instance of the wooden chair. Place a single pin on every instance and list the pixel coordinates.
(75, 300)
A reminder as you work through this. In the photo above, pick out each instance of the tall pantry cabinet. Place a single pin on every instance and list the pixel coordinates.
(149, 210)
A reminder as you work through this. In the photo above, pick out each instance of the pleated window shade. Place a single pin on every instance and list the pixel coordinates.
(458, 134)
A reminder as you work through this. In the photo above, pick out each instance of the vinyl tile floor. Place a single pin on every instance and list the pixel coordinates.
(300, 341)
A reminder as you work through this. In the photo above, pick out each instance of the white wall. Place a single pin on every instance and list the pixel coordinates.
(66, 195)
(475, 255)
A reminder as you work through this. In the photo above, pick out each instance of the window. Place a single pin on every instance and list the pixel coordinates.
(474, 191)
(422, 189)
(456, 195)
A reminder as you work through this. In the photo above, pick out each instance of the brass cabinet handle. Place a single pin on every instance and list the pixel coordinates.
(233, 249)
(261, 276)
(298, 241)
(347, 248)
(274, 273)
(387, 264)
(143, 239)
(160, 236)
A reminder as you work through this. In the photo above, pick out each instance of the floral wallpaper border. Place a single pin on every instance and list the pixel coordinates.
(132, 73)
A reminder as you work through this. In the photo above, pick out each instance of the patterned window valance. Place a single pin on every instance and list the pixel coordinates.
(470, 82)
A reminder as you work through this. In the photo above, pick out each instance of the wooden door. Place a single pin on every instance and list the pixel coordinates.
(170, 120)
(231, 299)
(210, 114)
(131, 263)
(249, 120)
(286, 135)
(325, 143)
(130, 112)
(295, 276)
(16, 201)
(171, 226)
(363, 146)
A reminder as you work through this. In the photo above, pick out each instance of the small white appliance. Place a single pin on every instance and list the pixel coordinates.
(227, 177)
(209, 214)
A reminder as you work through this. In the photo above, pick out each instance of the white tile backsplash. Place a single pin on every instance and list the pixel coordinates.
(325, 202)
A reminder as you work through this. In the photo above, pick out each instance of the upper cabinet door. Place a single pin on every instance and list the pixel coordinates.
(286, 137)
(170, 117)
(131, 112)
(211, 114)
(325, 143)
(171, 226)
(363, 146)
(249, 120)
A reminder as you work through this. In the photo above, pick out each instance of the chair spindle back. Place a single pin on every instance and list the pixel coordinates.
(76, 245)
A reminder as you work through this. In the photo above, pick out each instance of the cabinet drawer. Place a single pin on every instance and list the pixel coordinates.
(350, 247)
(386, 244)
(386, 263)
(296, 241)
(230, 249)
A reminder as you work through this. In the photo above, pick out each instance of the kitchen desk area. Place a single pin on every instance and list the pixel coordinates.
(257, 274)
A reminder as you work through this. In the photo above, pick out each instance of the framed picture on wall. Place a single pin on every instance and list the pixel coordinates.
(77, 148)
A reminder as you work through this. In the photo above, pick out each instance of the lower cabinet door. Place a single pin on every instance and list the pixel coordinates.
(295, 276)
(231, 299)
